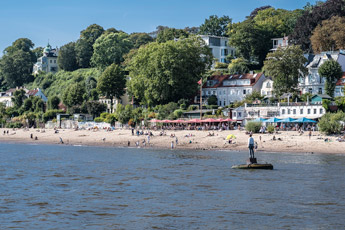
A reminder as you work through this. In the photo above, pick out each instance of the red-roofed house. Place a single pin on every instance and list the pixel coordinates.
(37, 93)
(232, 88)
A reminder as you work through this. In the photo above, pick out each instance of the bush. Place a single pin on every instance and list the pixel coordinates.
(253, 126)
(99, 119)
(178, 113)
(330, 123)
(221, 65)
(14, 125)
(270, 128)
(193, 107)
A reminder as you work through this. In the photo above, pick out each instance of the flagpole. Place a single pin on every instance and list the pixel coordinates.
(201, 99)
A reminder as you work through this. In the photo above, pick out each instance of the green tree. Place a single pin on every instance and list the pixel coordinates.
(74, 95)
(16, 68)
(330, 123)
(38, 52)
(212, 100)
(215, 26)
(95, 108)
(18, 98)
(112, 83)
(84, 53)
(165, 72)
(139, 39)
(67, 59)
(53, 102)
(171, 34)
(109, 49)
(27, 106)
(313, 17)
(84, 45)
(285, 66)
(331, 70)
(238, 66)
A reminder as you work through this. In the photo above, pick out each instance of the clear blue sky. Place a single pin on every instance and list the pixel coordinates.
(60, 21)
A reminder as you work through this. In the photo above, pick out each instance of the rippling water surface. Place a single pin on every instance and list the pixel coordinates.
(70, 187)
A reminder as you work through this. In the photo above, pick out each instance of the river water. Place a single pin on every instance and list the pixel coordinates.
(78, 187)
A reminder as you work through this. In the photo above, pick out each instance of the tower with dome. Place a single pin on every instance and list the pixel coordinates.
(48, 62)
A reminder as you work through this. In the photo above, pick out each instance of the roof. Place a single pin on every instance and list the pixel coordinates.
(32, 92)
(323, 96)
(222, 78)
(341, 81)
(320, 58)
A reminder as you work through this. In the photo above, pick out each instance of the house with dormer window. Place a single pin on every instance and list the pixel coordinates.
(232, 88)
(314, 83)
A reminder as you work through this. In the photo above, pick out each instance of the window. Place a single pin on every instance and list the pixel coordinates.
(320, 90)
(268, 85)
(220, 92)
(321, 111)
(54, 61)
(239, 114)
(294, 111)
(244, 91)
(301, 111)
(288, 111)
(311, 90)
(51, 61)
(234, 114)
(225, 43)
(314, 111)
(283, 111)
(308, 111)
(224, 103)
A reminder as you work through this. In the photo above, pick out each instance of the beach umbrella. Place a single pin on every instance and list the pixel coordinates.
(259, 119)
(231, 136)
(227, 119)
(304, 120)
(272, 120)
(166, 121)
(288, 120)
(194, 121)
(155, 120)
(178, 121)
(210, 120)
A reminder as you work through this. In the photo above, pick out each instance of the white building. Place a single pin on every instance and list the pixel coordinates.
(219, 47)
(6, 97)
(279, 43)
(267, 87)
(48, 62)
(280, 110)
(124, 100)
(231, 88)
(313, 83)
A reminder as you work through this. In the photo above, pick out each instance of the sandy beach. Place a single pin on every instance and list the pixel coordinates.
(286, 141)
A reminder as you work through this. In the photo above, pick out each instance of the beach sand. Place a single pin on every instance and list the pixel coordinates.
(290, 141)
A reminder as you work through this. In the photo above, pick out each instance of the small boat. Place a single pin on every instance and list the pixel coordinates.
(253, 166)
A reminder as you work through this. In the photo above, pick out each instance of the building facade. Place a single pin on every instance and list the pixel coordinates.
(219, 47)
(315, 84)
(48, 62)
(232, 88)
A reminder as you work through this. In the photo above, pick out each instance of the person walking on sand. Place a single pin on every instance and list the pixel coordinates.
(309, 134)
(172, 145)
(251, 146)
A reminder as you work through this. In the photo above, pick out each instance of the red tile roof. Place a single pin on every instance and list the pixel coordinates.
(32, 92)
(341, 81)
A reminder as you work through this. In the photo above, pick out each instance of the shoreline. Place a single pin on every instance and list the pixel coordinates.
(290, 141)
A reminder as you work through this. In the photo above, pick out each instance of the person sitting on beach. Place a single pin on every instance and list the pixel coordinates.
(274, 138)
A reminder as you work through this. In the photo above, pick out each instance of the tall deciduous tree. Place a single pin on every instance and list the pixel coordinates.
(84, 45)
(109, 49)
(238, 66)
(53, 102)
(67, 59)
(215, 26)
(329, 35)
(139, 39)
(331, 70)
(18, 98)
(112, 83)
(165, 72)
(313, 17)
(171, 34)
(285, 66)
(74, 95)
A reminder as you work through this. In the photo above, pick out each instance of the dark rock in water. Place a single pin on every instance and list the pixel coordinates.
(253, 166)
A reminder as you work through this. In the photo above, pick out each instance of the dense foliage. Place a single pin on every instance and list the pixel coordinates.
(332, 123)
(253, 126)
(331, 70)
(160, 72)
(285, 66)
(215, 26)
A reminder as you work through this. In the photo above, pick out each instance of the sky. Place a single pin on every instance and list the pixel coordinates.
(61, 21)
